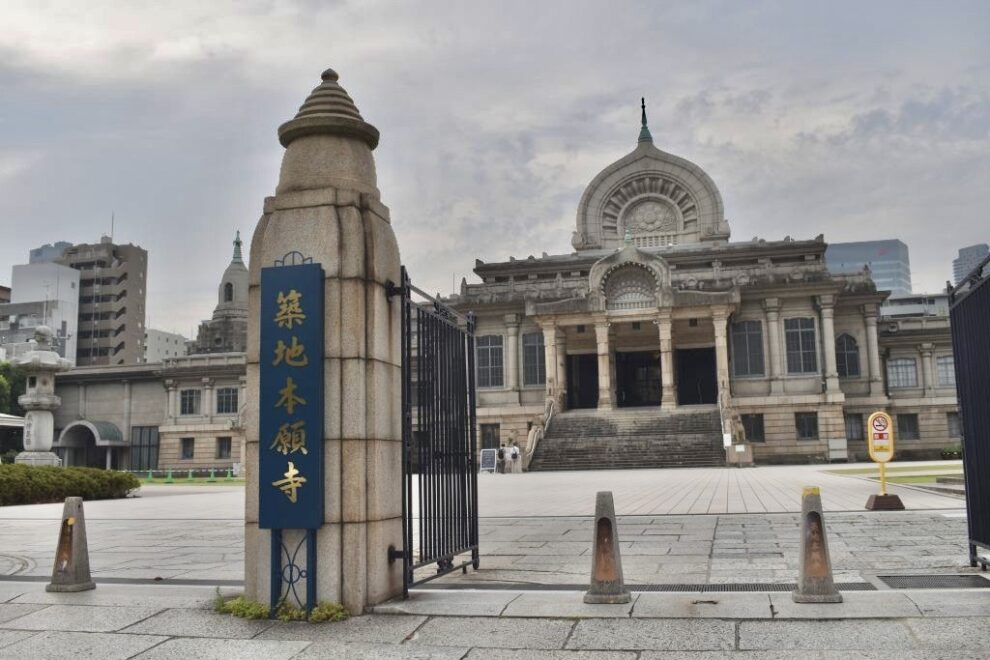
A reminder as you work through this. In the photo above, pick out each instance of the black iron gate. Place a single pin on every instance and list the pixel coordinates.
(439, 471)
(969, 304)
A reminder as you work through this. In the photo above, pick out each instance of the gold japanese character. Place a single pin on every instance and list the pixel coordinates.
(291, 438)
(291, 483)
(293, 354)
(289, 309)
(288, 397)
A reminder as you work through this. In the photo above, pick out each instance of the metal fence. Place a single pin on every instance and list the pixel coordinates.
(969, 310)
(439, 471)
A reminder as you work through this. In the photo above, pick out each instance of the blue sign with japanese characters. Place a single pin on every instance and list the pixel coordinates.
(290, 468)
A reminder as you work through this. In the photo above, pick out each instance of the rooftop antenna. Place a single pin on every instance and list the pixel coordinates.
(111, 225)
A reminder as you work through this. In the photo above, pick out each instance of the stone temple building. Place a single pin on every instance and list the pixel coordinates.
(226, 332)
(658, 333)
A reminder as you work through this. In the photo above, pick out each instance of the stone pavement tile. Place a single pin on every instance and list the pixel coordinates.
(702, 606)
(450, 603)
(567, 604)
(854, 605)
(945, 633)
(653, 634)
(348, 651)
(223, 649)
(8, 637)
(727, 655)
(11, 590)
(862, 634)
(371, 628)
(939, 603)
(11, 611)
(506, 654)
(494, 633)
(163, 596)
(199, 623)
(54, 645)
(80, 618)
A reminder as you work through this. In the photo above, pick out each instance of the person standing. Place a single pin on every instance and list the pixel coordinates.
(516, 458)
(500, 460)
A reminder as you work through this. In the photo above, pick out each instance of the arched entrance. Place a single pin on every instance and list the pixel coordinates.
(90, 444)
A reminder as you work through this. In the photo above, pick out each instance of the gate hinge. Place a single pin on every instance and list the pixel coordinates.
(392, 289)
(394, 554)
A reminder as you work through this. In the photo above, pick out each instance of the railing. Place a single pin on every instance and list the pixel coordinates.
(537, 432)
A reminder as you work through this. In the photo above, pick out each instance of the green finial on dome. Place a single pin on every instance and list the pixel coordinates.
(237, 248)
(644, 132)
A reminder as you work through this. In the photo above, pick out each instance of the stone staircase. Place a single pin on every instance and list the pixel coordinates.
(629, 439)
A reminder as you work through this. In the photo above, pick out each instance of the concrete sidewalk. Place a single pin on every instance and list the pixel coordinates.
(118, 622)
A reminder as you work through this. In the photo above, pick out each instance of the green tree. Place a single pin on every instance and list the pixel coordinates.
(13, 382)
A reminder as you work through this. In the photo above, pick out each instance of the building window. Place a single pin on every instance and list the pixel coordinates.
(955, 428)
(753, 425)
(847, 356)
(490, 361)
(907, 427)
(807, 425)
(747, 348)
(189, 402)
(228, 292)
(144, 448)
(802, 356)
(902, 372)
(188, 447)
(945, 369)
(489, 436)
(226, 400)
(854, 427)
(223, 447)
(534, 364)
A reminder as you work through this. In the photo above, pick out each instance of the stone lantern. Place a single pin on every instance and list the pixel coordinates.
(39, 400)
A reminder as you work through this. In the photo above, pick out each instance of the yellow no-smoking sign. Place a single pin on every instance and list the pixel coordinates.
(881, 441)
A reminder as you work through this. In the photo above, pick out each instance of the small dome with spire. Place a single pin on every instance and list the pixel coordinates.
(328, 110)
(232, 294)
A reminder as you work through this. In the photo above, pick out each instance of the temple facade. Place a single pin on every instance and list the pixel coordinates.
(657, 315)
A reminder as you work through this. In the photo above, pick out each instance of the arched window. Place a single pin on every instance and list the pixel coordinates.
(847, 356)
(228, 292)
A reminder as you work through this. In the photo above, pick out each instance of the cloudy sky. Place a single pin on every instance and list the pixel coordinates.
(859, 120)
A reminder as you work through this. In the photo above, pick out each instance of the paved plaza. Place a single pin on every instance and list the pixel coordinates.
(676, 527)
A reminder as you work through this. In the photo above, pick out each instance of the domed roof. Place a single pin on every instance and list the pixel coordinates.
(232, 293)
(659, 198)
(328, 110)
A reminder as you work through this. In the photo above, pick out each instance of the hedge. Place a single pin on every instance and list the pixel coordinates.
(23, 484)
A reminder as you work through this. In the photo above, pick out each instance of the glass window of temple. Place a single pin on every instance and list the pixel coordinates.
(228, 292)
(902, 372)
(907, 426)
(747, 348)
(807, 425)
(955, 429)
(847, 356)
(226, 400)
(945, 368)
(489, 436)
(189, 402)
(188, 446)
(223, 447)
(753, 425)
(854, 427)
(802, 354)
(490, 361)
(534, 366)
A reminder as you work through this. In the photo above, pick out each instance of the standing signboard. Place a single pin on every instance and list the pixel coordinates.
(880, 444)
(488, 457)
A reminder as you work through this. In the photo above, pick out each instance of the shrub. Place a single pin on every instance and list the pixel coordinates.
(249, 609)
(325, 611)
(24, 484)
(952, 451)
(241, 607)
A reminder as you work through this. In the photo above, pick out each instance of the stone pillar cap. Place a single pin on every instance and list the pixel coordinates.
(329, 111)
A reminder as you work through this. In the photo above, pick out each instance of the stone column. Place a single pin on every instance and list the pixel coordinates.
(927, 380)
(327, 206)
(873, 350)
(172, 409)
(560, 352)
(772, 308)
(208, 405)
(720, 319)
(512, 352)
(604, 368)
(668, 393)
(828, 342)
(550, 358)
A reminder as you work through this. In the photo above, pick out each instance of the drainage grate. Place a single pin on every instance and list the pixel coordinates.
(692, 588)
(935, 581)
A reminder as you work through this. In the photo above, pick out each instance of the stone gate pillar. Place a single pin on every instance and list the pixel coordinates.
(327, 208)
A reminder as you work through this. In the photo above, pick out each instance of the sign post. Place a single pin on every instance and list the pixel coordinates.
(880, 443)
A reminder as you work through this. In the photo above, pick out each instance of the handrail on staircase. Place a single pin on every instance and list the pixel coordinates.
(537, 432)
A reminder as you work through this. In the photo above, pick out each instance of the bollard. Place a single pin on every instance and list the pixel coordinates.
(607, 585)
(230, 475)
(213, 477)
(71, 570)
(149, 477)
(189, 476)
(815, 584)
(168, 477)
